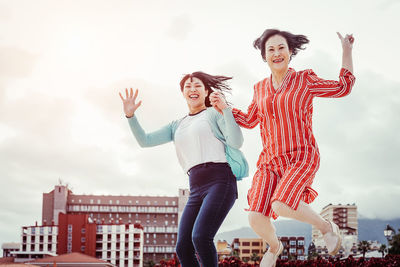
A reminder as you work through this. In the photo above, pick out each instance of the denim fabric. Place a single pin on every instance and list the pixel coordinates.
(213, 191)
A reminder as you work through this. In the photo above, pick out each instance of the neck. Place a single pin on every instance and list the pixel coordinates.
(197, 109)
(278, 75)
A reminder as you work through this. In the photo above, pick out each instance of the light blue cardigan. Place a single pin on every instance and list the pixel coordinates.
(224, 128)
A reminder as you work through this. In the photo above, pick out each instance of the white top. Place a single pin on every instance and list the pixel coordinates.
(195, 142)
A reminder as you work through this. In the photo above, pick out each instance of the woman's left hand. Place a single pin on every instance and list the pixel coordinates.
(347, 41)
(218, 101)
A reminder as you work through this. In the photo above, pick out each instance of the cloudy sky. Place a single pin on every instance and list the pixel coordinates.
(62, 64)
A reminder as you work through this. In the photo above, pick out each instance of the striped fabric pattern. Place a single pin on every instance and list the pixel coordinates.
(290, 157)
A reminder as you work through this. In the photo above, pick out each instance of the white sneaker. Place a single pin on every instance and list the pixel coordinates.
(269, 258)
(332, 239)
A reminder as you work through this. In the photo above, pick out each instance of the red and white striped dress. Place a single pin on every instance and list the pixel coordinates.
(290, 157)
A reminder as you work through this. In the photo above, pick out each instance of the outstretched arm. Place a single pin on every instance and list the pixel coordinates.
(330, 88)
(144, 139)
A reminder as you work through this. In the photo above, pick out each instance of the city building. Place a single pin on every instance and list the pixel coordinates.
(9, 247)
(345, 216)
(223, 249)
(42, 239)
(244, 248)
(120, 244)
(293, 248)
(159, 215)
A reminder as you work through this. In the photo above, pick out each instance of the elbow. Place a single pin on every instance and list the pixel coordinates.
(237, 144)
(345, 92)
(143, 143)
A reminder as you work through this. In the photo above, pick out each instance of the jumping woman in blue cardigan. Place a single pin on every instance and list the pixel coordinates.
(207, 144)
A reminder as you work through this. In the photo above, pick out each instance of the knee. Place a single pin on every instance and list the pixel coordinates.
(183, 247)
(255, 219)
(199, 239)
(180, 249)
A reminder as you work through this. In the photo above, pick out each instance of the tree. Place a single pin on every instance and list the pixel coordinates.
(363, 246)
(382, 250)
(255, 258)
(395, 244)
(149, 263)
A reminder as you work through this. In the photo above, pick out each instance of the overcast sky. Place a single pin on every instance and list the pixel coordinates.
(62, 64)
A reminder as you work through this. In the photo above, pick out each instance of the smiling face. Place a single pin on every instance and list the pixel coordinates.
(195, 94)
(277, 53)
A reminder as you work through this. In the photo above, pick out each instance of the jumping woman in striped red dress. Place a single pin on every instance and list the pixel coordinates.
(282, 105)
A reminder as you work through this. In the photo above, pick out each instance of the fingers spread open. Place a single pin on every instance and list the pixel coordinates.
(120, 95)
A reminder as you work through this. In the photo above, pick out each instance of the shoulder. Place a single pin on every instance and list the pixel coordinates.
(261, 84)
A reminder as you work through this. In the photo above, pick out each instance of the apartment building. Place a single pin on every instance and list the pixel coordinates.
(244, 248)
(293, 248)
(159, 215)
(118, 244)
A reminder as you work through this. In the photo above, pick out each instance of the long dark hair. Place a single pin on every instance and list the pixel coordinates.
(295, 42)
(210, 82)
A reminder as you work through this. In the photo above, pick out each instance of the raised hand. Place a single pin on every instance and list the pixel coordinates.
(347, 41)
(129, 102)
(347, 45)
(218, 101)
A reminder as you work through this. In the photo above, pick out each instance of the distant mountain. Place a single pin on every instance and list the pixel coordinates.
(368, 229)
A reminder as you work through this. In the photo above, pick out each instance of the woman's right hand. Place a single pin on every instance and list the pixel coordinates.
(129, 102)
(218, 101)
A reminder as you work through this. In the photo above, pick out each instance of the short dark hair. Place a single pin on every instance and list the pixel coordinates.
(210, 82)
(295, 41)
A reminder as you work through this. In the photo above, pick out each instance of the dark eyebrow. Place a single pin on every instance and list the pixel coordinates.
(271, 46)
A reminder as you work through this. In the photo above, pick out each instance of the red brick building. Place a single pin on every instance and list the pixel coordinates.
(159, 216)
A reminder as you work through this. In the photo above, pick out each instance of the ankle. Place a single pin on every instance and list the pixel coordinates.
(273, 248)
(326, 227)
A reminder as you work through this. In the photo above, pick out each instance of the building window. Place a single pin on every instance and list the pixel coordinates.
(83, 230)
(82, 248)
(98, 201)
(173, 203)
(79, 200)
(83, 240)
(166, 202)
(69, 228)
(110, 201)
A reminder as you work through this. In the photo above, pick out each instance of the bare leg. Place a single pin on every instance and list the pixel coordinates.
(263, 227)
(304, 213)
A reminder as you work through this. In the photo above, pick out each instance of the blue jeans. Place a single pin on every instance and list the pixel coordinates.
(213, 191)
